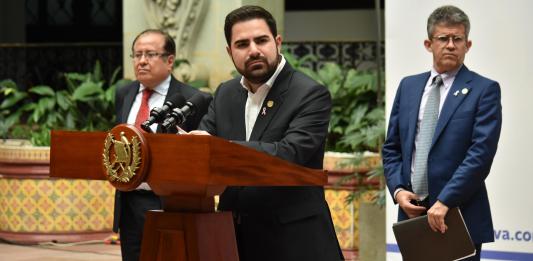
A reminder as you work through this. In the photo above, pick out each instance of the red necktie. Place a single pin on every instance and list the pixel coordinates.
(144, 110)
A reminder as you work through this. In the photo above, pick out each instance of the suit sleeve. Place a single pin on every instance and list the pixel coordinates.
(194, 122)
(208, 122)
(306, 133)
(392, 149)
(119, 101)
(470, 175)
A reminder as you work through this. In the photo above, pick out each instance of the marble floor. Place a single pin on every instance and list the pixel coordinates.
(88, 251)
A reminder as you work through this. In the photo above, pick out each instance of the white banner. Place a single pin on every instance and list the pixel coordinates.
(502, 50)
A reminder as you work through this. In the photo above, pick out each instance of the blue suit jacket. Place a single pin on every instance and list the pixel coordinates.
(463, 147)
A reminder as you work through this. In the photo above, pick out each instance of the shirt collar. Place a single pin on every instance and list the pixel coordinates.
(161, 88)
(447, 77)
(273, 78)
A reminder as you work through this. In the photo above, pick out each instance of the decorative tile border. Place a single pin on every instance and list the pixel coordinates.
(55, 206)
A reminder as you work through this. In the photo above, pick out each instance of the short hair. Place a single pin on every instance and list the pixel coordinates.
(246, 13)
(169, 46)
(448, 15)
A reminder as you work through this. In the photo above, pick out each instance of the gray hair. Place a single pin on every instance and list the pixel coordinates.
(448, 15)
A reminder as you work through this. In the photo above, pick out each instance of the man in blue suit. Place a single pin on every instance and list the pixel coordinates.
(443, 133)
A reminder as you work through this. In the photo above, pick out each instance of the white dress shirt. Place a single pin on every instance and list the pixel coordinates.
(157, 99)
(255, 100)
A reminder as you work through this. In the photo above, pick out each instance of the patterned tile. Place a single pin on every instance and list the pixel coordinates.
(55, 206)
(346, 216)
(358, 55)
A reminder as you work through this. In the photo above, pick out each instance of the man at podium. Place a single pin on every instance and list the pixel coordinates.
(153, 53)
(279, 111)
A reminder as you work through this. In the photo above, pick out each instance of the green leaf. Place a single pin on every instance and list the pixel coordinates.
(28, 107)
(179, 62)
(62, 100)
(86, 91)
(97, 72)
(47, 104)
(43, 90)
(8, 84)
(70, 122)
(330, 73)
(198, 83)
(11, 120)
(115, 75)
(77, 76)
(13, 99)
(110, 94)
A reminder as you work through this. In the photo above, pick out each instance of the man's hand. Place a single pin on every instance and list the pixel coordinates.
(403, 198)
(436, 215)
(199, 132)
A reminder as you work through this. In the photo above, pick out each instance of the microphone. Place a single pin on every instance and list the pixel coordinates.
(158, 114)
(179, 115)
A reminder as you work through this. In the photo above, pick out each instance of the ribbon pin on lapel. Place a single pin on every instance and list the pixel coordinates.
(264, 111)
(455, 93)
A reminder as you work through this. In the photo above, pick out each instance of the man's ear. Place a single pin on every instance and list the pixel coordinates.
(468, 45)
(228, 50)
(170, 61)
(278, 42)
(427, 44)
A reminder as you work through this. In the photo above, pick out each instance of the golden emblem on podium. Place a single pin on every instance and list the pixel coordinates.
(121, 165)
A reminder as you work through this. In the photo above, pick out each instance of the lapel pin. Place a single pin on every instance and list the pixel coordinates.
(264, 111)
(270, 104)
(455, 93)
(464, 91)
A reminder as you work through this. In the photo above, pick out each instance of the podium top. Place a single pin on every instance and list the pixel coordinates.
(180, 164)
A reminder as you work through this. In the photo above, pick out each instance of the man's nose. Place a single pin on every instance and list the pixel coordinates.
(450, 44)
(254, 50)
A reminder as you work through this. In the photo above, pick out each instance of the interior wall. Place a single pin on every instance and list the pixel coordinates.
(331, 25)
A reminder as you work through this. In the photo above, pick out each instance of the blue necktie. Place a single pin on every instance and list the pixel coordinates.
(425, 137)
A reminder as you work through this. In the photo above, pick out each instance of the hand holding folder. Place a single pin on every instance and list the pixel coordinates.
(417, 241)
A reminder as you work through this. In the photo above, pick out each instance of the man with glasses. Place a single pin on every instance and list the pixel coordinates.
(153, 54)
(443, 133)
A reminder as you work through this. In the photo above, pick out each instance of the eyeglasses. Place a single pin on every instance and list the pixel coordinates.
(147, 55)
(445, 39)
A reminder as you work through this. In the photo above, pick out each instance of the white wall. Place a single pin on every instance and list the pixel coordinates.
(339, 25)
(502, 36)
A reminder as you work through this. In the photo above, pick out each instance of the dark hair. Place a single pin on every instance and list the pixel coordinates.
(245, 13)
(448, 15)
(170, 45)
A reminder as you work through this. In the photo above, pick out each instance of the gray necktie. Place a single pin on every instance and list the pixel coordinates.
(425, 137)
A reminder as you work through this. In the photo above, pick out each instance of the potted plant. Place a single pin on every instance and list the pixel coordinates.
(33, 207)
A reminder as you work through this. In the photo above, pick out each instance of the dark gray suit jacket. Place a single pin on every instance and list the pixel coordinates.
(280, 223)
(124, 99)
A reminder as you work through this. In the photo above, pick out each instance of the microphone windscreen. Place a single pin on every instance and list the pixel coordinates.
(199, 100)
(177, 100)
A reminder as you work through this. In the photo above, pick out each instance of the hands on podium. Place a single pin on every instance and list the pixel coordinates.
(199, 132)
(193, 132)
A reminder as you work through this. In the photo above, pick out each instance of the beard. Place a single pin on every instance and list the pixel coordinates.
(258, 70)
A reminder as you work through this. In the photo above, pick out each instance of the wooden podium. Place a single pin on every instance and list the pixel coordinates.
(187, 172)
